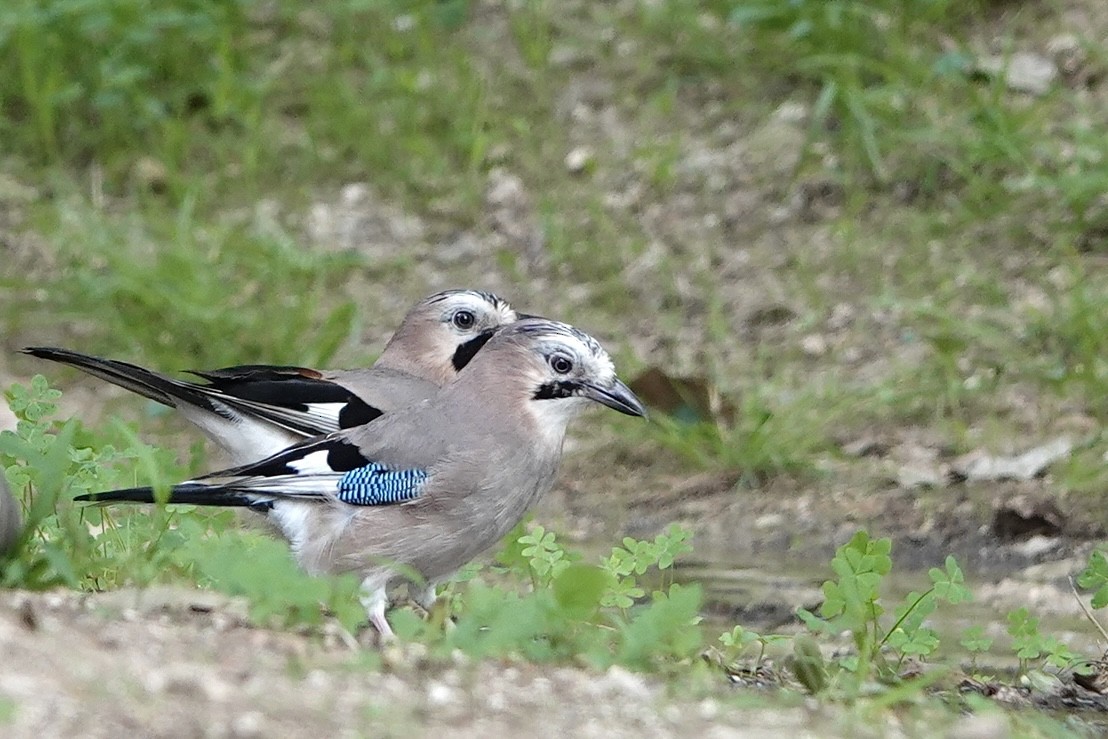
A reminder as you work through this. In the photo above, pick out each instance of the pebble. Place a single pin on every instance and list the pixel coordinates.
(248, 724)
(1023, 71)
(578, 159)
(627, 683)
(440, 695)
(980, 726)
(814, 345)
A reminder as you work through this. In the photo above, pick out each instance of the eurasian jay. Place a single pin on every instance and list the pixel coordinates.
(427, 488)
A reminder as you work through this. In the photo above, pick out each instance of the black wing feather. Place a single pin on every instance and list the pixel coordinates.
(185, 493)
(279, 394)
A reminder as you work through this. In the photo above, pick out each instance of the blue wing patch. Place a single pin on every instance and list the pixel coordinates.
(376, 484)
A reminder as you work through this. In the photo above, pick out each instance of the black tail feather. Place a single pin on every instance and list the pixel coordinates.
(278, 394)
(149, 384)
(185, 493)
(249, 372)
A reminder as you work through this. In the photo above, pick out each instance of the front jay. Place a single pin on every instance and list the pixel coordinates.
(428, 488)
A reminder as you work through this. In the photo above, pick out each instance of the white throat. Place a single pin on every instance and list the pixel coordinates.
(552, 417)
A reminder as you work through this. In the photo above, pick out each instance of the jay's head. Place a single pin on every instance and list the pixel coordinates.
(560, 369)
(442, 333)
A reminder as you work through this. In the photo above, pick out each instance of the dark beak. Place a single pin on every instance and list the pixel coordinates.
(617, 397)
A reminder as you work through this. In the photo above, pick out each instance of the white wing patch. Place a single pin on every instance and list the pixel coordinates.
(312, 464)
(326, 412)
(247, 439)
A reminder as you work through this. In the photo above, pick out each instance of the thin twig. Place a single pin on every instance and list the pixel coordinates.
(1087, 612)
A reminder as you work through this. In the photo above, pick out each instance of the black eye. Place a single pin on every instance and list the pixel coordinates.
(463, 319)
(561, 364)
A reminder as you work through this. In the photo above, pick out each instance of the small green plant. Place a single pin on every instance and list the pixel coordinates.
(90, 547)
(852, 603)
(1033, 648)
(573, 608)
(740, 640)
(976, 643)
(545, 558)
(262, 570)
(1095, 577)
(47, 462)
(636, 557)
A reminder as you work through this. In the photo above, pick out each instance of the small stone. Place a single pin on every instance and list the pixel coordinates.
(1069, 55)
(1023, 71)
(318, 680)
(769, 521)
(978, 466)
(842, 315)
(150, 174)
(248, 724)
(981, 726)
(14, 191)
(440, 695)
(708, 709)
(774, 148)
(1036, 546)
(354, 193)
(505, 189)
(496, 701)
(628, 683)
(919, 475)
(579, 159)
(1066, 43)
(814, 345)
(791, 112)
(498, 154)
(564, 55)
(866, 446)
(850, 355)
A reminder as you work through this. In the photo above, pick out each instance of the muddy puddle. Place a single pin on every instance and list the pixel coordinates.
(764, 595)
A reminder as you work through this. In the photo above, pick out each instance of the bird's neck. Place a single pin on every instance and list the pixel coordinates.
(409, 354)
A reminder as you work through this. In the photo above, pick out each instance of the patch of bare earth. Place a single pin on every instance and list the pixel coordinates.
(177, 663)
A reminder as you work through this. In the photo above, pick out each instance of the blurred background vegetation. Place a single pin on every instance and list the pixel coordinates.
(844, 216)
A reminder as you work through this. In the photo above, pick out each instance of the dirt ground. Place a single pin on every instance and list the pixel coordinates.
(173, 662)
(176, 663)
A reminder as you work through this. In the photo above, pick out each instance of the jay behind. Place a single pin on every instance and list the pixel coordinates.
(255, 410)
(428, 488)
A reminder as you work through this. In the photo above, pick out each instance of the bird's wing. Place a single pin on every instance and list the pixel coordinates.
(301, 401)
(328, 468)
